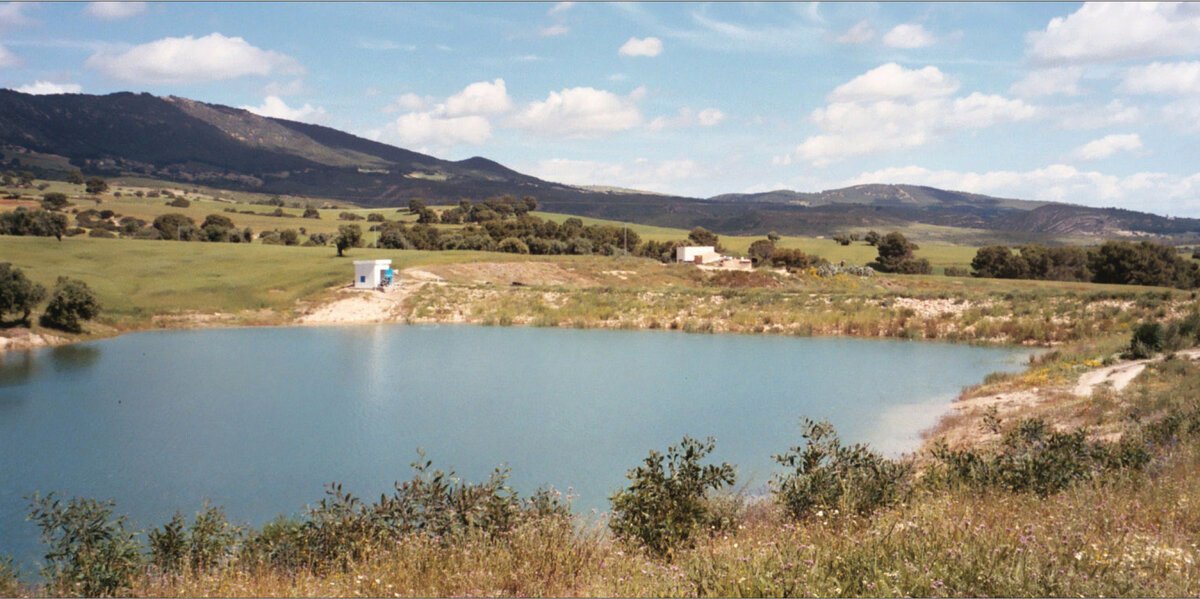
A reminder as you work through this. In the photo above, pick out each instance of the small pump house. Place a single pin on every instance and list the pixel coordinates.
(369, 274)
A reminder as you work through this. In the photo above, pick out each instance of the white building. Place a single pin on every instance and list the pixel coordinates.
(696, 254)
(369, 274)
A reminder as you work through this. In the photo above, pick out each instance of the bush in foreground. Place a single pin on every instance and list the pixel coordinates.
(663, 508)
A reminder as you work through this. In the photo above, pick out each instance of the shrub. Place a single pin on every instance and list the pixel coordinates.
(512, 245)
(664, 507)
(18, 294)
(896, 255)
(71, 303)
(96, 185)
(375, 217)
(90, 553)
(10, 581)
(957, 271)
(54, 201)
(825, 475)
(1148, 339)
(310, 212)
(179, 203)
(175, 226)
(1033, 457)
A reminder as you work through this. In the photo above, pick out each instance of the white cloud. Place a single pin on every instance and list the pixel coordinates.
(275, 107)
(1112, 114)
(894, 81)
(1163, 78)
(686, 117)
(638, 174)
(41, 88)
(908, 36)
(1108, 145)
(1159, 192)
(1048, 82)
(891, 108)
(650, 46)
(560, 7)
(213, 57)
(112, 11)
(461, 119)
(554, 30)
(289, 88)
(418, 128)
(710, 117)
(409, 102)
(8, 59)
(479, 98)
(12, 14)
(1103, 31)
(860, 33)
(1183, 115)
(581, 112)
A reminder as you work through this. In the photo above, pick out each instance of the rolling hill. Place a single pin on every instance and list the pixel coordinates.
(187, 141)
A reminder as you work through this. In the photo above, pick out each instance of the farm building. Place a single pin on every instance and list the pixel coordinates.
(369, 274)
(706, 256)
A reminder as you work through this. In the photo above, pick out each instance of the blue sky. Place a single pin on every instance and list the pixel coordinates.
(1095, 104)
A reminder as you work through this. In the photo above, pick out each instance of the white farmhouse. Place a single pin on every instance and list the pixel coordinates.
(697, 254)
(369, 274)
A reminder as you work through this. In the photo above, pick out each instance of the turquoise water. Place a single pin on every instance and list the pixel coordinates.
(257, 420)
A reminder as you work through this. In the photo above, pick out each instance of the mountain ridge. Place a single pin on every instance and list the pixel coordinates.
(191, 141)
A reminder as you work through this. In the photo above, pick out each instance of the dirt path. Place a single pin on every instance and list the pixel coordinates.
(1121, 374)
(369, 305)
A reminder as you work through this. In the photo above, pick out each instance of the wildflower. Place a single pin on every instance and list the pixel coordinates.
(1078, 556)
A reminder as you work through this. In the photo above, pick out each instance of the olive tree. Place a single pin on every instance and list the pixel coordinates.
(18, 295)
(71, 303)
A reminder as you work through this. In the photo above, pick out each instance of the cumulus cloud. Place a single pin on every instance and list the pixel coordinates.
(908, 36)
(638, 174)
(42, 88)
(113, 11)
(213, 57)
(1104, 31)
(1049, 82)
(420, 128)
(1159, 192)
(1108, 145)
(891, 108)
(861, 33)
(581, 112)
(275, 107)
(1183, 115)
(686, 117)
(649, 46)
(1163, 78)
(1115, 113)
(894, 81)
(482, 97)
(554, 30)
(463, 118)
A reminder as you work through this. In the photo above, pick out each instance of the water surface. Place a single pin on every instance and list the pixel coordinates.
(257, 420)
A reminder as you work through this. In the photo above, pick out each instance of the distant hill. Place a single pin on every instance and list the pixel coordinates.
(182, 140)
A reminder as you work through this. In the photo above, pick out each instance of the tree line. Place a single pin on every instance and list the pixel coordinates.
(1113, 262)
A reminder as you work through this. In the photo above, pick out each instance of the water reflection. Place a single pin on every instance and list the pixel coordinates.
(71, 358)
(16, 368)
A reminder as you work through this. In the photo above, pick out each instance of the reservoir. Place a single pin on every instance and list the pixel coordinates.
(257, 420)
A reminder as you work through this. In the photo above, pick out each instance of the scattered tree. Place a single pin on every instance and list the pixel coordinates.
(18, 294)
(71, 303)
(54, 201)
(96, 186)
(349, 236)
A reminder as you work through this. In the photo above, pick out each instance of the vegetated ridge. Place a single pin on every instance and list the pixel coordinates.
(187, 141)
